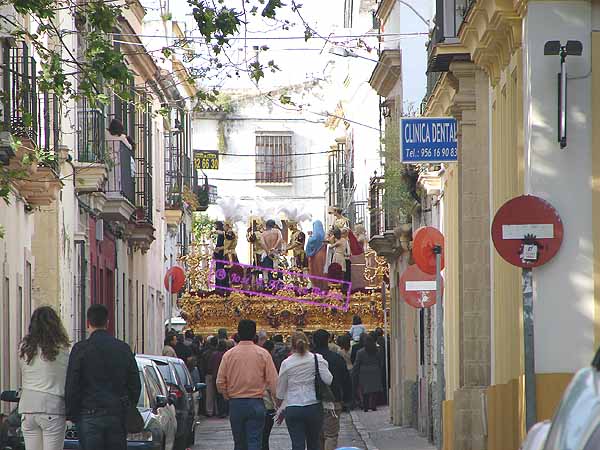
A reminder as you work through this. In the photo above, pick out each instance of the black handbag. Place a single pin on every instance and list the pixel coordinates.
(323, 390)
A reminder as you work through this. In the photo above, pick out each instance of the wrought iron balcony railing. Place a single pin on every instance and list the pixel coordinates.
(26, 112)
(121, 174)
(91, 134)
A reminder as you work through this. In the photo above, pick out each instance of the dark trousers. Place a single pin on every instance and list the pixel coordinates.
(247, 419)
(222, 406)
(268, 263)
(98, 432)
(304, 424)
(269, 422)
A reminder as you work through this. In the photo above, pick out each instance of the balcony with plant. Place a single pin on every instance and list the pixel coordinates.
(30, 124)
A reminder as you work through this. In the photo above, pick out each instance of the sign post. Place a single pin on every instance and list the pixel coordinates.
(527, 232)
(428, 253)
(385, 337)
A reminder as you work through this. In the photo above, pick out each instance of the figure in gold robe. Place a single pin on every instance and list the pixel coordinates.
(296, 246)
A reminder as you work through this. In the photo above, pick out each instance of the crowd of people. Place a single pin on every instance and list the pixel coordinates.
(306, 379)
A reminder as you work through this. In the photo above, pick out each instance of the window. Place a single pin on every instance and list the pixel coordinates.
(274, 158)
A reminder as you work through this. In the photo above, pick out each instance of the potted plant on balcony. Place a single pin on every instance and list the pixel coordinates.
(190, 199)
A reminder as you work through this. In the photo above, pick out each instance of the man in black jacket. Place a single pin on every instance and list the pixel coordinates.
(102, 381)
(341, 387)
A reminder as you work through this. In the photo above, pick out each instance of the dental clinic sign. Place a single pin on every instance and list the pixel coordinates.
(428, 140)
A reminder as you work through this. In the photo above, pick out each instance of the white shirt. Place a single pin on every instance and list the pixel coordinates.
(44, 383)
(296, 382)
(46, 376)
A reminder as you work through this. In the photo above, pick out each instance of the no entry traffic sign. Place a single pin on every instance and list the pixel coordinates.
(174, 279)
(527, 231)
(418, 288)
(424, 243)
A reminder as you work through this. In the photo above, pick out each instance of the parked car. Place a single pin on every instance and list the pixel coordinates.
(536, 437)
(576, 423)
(10, 428)
(160, 423)
(179, 381)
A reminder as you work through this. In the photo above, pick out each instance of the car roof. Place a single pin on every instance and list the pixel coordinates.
(162, 358)
(143, 361)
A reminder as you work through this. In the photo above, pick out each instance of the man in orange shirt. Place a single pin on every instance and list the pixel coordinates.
(245, 372)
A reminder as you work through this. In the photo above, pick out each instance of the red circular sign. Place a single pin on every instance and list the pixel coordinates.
(527, 231)
(424, 241)
(177, 275)
(418, 288)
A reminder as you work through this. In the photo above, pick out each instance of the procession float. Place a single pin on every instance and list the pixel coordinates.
(307, 288)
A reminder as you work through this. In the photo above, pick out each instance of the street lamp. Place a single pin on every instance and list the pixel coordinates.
(574, 48)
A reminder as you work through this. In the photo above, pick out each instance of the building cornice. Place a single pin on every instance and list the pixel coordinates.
(387, 72)
(492, 32)
(384, 10)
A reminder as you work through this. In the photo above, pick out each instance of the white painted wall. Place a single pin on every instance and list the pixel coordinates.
(563, 303)
(14, 248)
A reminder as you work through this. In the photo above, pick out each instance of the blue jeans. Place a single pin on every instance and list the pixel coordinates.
(99, 432)
(247, 418)
(304, 424)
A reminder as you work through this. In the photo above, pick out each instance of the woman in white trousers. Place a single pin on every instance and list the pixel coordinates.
(44, 358)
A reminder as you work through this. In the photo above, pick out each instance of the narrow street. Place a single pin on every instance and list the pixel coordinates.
(215, 434)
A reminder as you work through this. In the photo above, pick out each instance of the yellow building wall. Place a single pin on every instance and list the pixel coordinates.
(452, 283)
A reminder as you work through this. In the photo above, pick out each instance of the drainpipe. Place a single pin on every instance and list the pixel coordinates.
(82, 293)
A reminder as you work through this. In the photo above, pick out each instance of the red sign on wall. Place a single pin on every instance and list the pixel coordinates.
(418, 288)
(527, 231)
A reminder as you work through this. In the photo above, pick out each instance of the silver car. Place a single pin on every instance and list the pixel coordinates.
(576, 424)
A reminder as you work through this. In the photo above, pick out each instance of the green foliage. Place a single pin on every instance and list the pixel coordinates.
(398, 197)
(203, 227)
(1, 232)
(270, 9)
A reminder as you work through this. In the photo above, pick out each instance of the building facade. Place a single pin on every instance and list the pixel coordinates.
(94, 226)
(488, 69)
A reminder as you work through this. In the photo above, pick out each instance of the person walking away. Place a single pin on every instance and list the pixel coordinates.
(357, 329)
(44, 355)
(211, 389)
(102, 382)
(296, 386)
(341, 386)
(188, 338)
(245, 372)
(220, 406)
(343, 343)
(169, 348)
(367, 369)
(280, 351)
(269, 401)
(183, 351)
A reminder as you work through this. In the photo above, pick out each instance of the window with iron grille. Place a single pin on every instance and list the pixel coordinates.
(142, 126)
(274, 157)
(25, 111)
(337, 176)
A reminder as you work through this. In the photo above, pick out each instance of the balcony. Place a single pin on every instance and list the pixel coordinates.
(387, 73)
(140, 229)
(119, 188)
(444, 46)
(30, 124)
(91, 161)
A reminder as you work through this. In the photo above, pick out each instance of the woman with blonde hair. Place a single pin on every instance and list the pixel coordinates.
(296, 386)
(44, 356)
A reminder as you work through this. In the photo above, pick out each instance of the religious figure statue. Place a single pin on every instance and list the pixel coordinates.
(316, 251)
(230, 243)
(296, 246)
(253, 236)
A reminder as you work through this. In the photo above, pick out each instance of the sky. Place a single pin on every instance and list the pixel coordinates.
(300, 60)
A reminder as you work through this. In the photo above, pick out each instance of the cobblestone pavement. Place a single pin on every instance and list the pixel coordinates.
(215, 434)
(379, 434)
